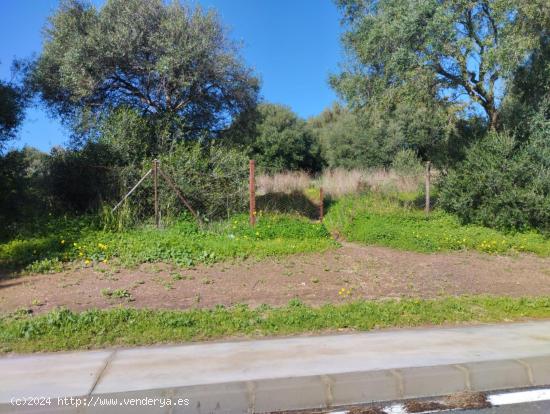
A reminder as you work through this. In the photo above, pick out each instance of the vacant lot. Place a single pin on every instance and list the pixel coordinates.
(376, 261)
(348, 273)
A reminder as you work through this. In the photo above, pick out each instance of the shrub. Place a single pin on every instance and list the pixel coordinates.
(80, 180)
(211, 178)
(277, 139)
(502, 183)
(22, 197)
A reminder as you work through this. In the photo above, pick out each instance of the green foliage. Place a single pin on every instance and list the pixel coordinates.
(406, 162)
(130, 135)
(12, 106)
(384, 221)
(79, 180)
(399, 47)
(22, 194)
(212, 178)
(502, 183)
(346, 141)
(277, 139)
(371, 137)
(62, 329)
(183, 243)
(116, 293)
(529, 93)
(172, 62)
(46, 266)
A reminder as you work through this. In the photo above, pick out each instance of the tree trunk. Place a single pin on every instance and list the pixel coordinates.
(493, 119)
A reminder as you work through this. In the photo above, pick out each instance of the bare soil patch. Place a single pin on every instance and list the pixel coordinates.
(348, 273)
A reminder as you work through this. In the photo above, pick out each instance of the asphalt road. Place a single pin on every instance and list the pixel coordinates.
(542, 407)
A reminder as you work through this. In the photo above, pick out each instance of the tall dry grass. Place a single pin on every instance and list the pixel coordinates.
(339, 182)
(391, 181)
(285, 182)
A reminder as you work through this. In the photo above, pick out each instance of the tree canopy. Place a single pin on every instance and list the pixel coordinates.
(167, 60)
(462, 51)
(374, 135)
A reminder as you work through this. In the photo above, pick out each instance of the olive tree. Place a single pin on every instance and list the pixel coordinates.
(461, 51)
(171, 62)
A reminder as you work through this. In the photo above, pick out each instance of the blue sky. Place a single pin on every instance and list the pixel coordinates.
(293, 45)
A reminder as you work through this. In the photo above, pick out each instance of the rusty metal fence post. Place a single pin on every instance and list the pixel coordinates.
(252, 192)
(321, 204)
(155, 185)
(428, 173)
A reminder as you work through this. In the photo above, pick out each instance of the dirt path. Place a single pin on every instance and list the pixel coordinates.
(370, 272)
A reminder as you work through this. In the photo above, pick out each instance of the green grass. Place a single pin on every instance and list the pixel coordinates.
(65, 330)
(392, 222)
(182, 243)
(387, 220)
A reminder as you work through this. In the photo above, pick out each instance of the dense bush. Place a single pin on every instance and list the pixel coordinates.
(277, 139)
(95, 177)
(213, 178)
(503, 183)
(81, 180)
(22, 195)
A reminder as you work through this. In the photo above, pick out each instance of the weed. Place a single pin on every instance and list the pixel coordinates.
(345, 292)
(117, 293)
(45, 266)
(177, 276)
(183, 243)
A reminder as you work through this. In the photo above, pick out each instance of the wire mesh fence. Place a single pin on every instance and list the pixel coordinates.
(223, 187)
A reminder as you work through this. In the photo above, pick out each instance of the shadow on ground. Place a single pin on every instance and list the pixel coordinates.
(290, 203)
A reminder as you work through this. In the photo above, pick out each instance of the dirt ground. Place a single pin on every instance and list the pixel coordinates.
(363, 271)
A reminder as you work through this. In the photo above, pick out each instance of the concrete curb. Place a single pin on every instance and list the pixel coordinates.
(111, 376)
(327, 391)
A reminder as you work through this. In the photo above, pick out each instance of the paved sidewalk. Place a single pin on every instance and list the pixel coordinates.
(288, 373)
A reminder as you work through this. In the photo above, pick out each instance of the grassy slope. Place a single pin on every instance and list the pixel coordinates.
(183, 243)
(64, 330)
(387, 222)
